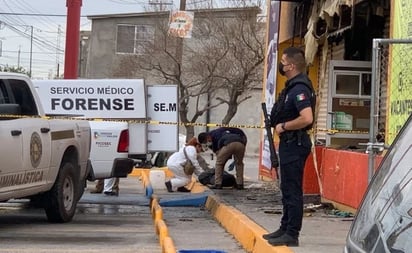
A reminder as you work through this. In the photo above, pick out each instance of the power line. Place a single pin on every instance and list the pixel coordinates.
(27, 8)
(39, 42)
(27, 52)
(35, 14)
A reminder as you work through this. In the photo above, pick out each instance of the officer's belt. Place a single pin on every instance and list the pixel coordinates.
(290, 136)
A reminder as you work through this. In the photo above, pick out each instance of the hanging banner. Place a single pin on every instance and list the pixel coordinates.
(269, 81)
(399, 86)
(181, 24)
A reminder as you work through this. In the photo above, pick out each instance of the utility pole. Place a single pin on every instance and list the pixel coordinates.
(182, 5)
(179, 47)
(59, 31)
(18, 57)
(31, 49)
(72, 38)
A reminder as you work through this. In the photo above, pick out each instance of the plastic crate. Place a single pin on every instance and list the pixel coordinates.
(342, 121)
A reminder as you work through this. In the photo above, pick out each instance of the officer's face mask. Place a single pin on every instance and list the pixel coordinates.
(281, 66)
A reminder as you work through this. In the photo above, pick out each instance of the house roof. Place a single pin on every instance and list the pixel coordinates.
(166, 13)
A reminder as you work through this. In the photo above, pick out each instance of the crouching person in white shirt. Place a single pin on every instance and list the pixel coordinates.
(176, 163)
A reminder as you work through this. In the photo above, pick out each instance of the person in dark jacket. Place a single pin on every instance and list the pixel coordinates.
(291, 117)
(226, 142)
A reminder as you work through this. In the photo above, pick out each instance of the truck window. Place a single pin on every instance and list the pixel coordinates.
(3, 93)
(23, 97)
(7, 107)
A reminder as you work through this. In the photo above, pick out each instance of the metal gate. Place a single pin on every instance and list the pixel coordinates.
(391, 97)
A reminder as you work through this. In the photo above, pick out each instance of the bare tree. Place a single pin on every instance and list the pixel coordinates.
(20, 69)
(222, 62)
(239, 69)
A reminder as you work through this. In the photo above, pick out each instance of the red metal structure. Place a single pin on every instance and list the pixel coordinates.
(72, 39)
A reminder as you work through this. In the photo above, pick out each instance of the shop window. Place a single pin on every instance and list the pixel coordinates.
(349, 103)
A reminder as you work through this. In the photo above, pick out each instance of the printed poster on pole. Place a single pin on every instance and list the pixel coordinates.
(181, 24)
(269, 82)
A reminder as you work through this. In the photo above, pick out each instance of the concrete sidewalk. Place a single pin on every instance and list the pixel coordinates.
(321, 232)
(260, 203)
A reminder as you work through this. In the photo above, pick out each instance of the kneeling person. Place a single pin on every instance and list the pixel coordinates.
(176, 163)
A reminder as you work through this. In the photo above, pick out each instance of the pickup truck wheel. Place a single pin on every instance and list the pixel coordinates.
(62, 197)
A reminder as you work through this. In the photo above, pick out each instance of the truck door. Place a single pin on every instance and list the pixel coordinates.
(11, 141)
(25, 139)
(36, 135)
(11, 149)
(36, 150)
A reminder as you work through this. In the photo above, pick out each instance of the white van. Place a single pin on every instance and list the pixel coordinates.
(383, 222)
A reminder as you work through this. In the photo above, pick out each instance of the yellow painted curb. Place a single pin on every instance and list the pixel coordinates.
(161, 231)
(195, 187)
(168, 245)
(154, 201)
(137, 172)
(145, 180)
(246, 232)
(157, 213)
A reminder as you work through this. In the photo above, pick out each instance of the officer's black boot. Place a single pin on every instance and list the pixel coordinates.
(284, 239)
(275, 234)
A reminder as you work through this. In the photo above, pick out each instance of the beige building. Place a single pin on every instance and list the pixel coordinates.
(118, 43)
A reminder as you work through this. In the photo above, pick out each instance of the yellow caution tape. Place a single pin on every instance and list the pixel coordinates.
(156, 122)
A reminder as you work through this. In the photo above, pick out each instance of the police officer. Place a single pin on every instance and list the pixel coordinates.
(291, 116)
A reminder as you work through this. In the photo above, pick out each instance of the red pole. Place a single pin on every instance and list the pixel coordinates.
(72, 39)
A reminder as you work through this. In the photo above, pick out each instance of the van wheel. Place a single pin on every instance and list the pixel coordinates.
(62, 197)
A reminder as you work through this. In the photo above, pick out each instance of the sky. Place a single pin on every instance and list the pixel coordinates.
(47, 44)
(25, 35)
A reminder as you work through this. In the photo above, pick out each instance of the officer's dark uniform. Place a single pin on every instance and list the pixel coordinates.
(294, 148)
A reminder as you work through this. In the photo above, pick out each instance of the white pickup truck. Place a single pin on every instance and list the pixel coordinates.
(46, 160)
